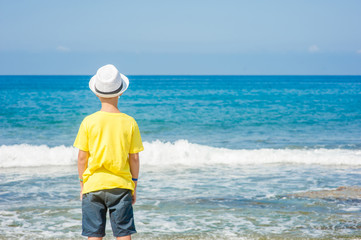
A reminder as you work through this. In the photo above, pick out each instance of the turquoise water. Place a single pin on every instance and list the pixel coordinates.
(224, 111)
(223, 154)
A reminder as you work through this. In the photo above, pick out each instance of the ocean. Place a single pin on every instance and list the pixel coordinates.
(226, 157)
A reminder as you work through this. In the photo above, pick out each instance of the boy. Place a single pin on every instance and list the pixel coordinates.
(108, 162)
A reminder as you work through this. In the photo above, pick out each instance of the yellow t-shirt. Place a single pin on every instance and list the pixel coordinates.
(109, 138)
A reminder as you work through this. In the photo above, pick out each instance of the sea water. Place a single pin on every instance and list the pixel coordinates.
(223, 156)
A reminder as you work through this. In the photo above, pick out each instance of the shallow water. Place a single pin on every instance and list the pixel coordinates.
(211, 202)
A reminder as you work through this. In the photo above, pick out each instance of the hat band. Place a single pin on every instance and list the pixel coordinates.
(113, 92)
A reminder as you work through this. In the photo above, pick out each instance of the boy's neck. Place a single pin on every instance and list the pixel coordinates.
(109, 105)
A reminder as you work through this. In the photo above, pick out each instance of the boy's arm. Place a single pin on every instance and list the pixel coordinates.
(82, 165)
(134, 170)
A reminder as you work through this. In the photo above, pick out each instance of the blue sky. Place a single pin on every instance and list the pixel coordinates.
(181, 37)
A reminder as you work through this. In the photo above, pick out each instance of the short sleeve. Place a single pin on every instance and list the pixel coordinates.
(81, 140)
(136, 144)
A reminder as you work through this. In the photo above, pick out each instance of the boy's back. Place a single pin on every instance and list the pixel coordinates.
(109, 138)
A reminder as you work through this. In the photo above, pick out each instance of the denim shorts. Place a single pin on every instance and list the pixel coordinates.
(95, 206)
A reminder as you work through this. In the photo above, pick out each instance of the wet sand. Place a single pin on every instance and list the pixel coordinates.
(344, 192)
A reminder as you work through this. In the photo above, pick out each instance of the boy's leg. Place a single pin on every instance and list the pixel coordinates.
(95, 238)
(94, 215)
(119, 203)
(125, 238)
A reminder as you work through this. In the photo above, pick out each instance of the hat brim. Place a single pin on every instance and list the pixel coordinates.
(125, 84)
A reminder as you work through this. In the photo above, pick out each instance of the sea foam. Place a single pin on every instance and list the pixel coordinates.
(25, 155)
(182, 152)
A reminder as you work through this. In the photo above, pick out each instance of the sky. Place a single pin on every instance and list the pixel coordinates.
(255, 37)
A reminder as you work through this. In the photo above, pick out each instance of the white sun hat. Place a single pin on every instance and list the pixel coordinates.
(108, 82)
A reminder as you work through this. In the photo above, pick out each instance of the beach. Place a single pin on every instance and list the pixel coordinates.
(226, 157)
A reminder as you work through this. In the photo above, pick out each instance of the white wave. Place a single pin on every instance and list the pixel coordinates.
(185, 153)
(182, 152)
(25, 155)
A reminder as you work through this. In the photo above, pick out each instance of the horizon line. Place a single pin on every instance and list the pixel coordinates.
(355, 75)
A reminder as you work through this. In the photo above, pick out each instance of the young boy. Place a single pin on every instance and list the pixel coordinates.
(108, 162)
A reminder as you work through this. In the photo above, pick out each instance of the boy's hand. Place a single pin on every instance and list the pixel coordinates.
(134, 197)
(82, 165)
(134, 170)
(81, 191)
